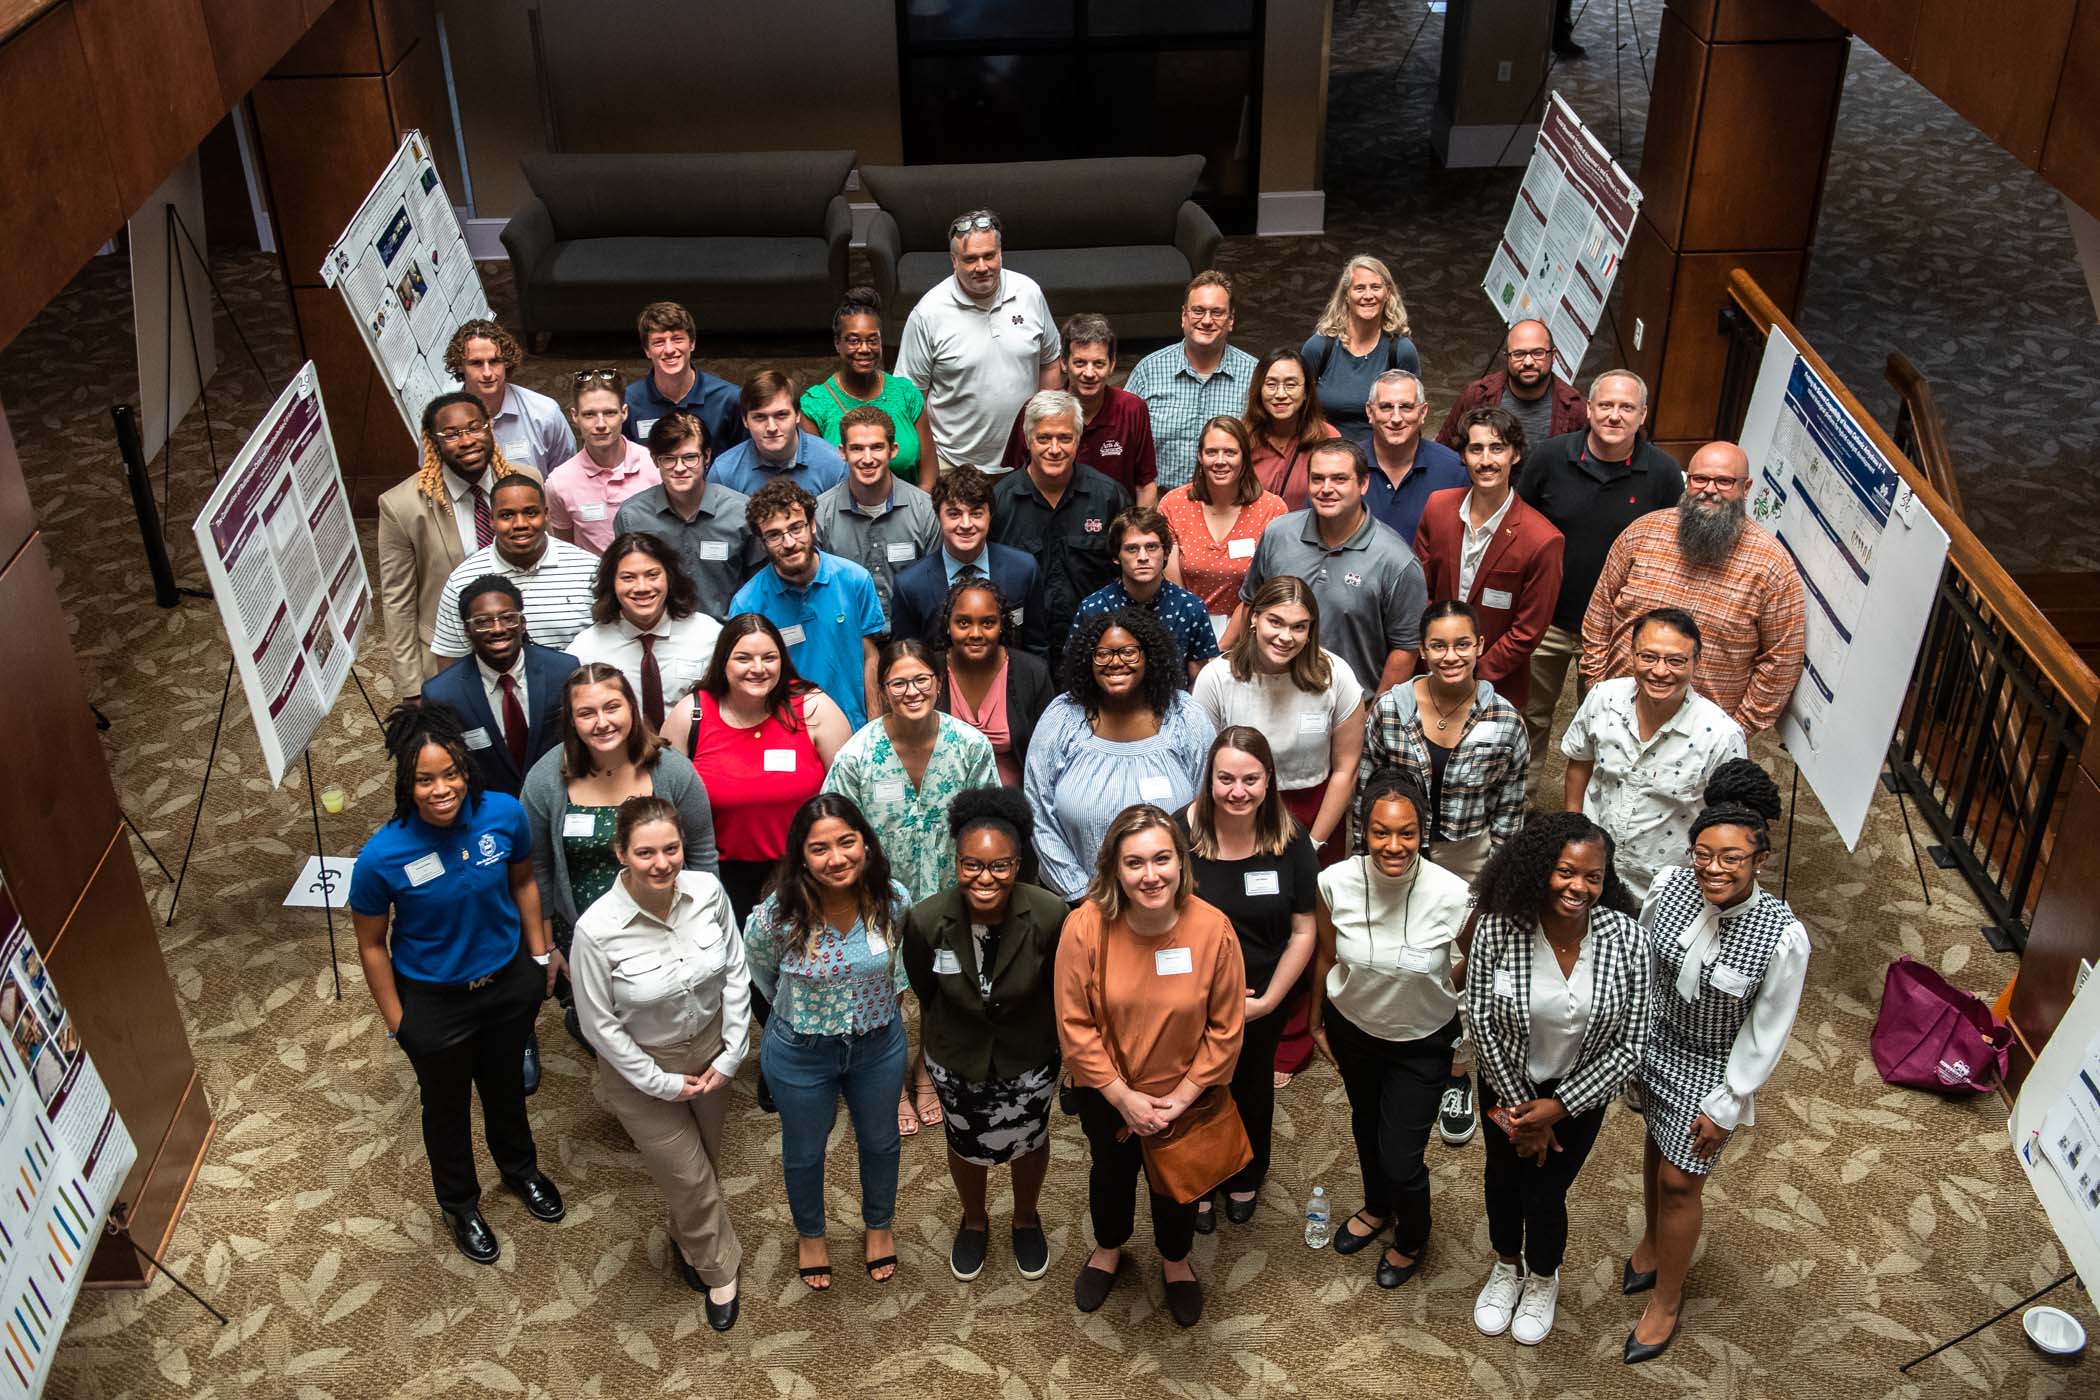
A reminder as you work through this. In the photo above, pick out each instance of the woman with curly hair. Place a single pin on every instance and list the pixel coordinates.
(458, 960)
(1557, 996)
(1730, 960)
(1123, 732)
(987, 682)
(822, 948)
(859, 382)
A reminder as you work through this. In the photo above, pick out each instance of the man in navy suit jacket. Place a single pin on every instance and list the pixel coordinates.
(962, 502)
(494, 614)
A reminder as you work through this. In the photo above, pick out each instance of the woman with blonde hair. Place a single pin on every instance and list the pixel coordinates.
(1362, 333)
(1284, 424)
(1217, 519)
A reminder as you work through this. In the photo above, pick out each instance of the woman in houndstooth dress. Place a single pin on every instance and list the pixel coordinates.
(1729, 962)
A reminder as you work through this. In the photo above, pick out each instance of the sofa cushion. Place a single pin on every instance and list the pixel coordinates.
(744, 262)
(1107, 280)
(1044, 203)
(756, 194)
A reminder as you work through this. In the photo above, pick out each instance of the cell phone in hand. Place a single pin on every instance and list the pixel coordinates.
(1500, 1117)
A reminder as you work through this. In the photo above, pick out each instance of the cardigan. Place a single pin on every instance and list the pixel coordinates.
(1029, 691)
(546, 799)
(984, 1041)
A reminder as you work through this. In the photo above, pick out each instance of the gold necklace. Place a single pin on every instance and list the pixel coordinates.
(1443, 716)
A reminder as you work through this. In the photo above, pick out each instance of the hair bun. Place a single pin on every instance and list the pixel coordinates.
(1742, 783)
(863, 298)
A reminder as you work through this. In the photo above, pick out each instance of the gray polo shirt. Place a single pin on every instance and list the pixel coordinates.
(899, 534)
(716, 546)
(1371, 589)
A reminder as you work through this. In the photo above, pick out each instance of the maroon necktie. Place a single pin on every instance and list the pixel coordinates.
(652, 683)
(513, 721)
(484, 523)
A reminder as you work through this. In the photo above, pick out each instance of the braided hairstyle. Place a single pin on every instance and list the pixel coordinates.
(412, 728)
(430, 478)
(1517, 879)
(1741, 794)
(941, 637)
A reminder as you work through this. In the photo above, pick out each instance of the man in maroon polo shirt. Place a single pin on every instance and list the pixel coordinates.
(1117, 438)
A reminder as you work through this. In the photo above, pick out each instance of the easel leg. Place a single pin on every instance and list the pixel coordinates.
(197, 817)
(1786, 867)
(120, 1226)
(1915, 859)
(368, 699)
(327, 890)
(1994, 1318)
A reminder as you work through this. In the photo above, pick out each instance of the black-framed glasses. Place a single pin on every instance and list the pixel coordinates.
(905, 685)
(782, 534)
(1517, 357)
(1127, 655)
(971, 868)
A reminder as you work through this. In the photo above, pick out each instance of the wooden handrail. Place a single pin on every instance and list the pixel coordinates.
(16, 14)
(1935, 453)
(2073, 679)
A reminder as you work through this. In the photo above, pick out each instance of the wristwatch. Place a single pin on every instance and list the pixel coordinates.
(543, 958)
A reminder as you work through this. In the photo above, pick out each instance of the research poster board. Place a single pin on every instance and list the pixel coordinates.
(281, 550)
(2055, 1130)
(64, 1155)
(403, 269)
(1870, 557)
(1565, 237)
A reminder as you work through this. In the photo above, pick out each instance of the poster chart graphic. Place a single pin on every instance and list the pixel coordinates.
(1565, 237)
(2055, 1130)
(403, 269)
(64, 1154)
(281, 550)
(1866, 549)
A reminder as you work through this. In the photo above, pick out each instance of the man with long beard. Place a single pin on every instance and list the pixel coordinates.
(1706, 556)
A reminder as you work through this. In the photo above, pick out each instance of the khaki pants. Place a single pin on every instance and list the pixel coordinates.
(680, 1143)
(1463, 858)
(1558, 650)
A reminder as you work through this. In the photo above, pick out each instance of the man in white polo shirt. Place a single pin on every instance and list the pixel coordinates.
(978, 344)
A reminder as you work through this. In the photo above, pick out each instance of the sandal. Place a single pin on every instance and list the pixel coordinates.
(1283, 1078)
(886, 1261)
(928, 1103)
(816, 1276)
(907, 1119)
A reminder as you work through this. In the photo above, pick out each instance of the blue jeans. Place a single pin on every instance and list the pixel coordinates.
(807, 1074)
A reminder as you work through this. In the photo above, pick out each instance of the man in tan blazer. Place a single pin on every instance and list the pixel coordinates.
(429, 524)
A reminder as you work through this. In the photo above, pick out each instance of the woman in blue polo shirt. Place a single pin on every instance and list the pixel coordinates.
(449, 933)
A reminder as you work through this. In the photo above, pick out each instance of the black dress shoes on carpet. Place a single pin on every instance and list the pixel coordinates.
(532, 1064)
(1391, 1275)
(1240, 1212)
(1185, 1301)
(1632, 1280)
(539, 1197)
(722, 1316)
(472, 1234)
(1638, 1351)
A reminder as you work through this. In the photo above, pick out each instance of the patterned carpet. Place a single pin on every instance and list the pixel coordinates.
(1852, 1226)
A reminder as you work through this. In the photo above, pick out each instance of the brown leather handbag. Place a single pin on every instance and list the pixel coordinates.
(1200, 1150)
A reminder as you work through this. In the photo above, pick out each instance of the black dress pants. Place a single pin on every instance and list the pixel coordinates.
(744, 881)
(467, 1037)
(1254, 1089)
(1394, 1087)
(1527, 1203)
(1111, 1185)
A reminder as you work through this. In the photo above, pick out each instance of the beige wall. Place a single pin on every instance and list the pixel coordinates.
(1294, 94)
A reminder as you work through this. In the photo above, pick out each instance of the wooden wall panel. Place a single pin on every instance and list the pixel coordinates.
(1647, 279)
(2066, 923)
(2071, 155)
(416, 97)
(149, 126)
(1694, 353)
(58, 194)
(17, 520)
(1673, 123)
(247, 36)
(1763, 21)
(374, 446)
(1889, 27)
(1998, 66)
(343, 40)
(312, 131)
(1767, 108)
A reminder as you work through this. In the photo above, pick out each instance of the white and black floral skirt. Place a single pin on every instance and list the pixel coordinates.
(998, 1121)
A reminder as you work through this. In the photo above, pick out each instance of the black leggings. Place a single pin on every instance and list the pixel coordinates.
(1527, 1204)
(1254, 1089)
(1394, 1087)
(1111, 1186)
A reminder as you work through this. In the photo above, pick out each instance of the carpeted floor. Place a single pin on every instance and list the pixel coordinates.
(1852, 1226)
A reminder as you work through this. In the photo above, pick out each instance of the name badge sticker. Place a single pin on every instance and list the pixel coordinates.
(1260, 882)
(1496, 598)
(945, 963)
(1156, 787)
(1240, 549)
(1505, 984)
(714, 551)
(593, 511)
(578, 824)
(517, 451)
(877, 944)
(1018, 614)
(477, 738)
(1312, 722)
(1730, 981)
(792, 634)
(780, 760)
(641, 429)
(425, 869)
(890, 790)
(900, 551)
(1173, 962)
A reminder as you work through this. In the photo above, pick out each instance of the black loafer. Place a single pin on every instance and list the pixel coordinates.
(1347, 1241)
(539, 1197)
(1240, 1212)
(722, 1316)
(1206, 1217)
(966, 1255)
(473, 1235)
(1031, 1251)
(1391, 1275)
(1632, 1281)
(1185, 1301)
(1093, 1285)
(1638, 1351)
(532, 1064)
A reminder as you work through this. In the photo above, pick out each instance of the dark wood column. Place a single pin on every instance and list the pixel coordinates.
(1739, 125)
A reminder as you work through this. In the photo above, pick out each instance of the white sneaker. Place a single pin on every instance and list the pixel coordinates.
(1498, 1299)
(1535, 1310)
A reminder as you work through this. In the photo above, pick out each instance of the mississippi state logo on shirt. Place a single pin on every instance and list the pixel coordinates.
(1353, 580)
(1093, 527)
(1017, 320)
(1111, 448)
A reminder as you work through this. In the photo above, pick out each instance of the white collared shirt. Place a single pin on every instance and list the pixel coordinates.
(462, 496)
(1561, 1004)
(492, 687)
(684, 647)
(1473, 543)
(645, 984)
(978, 364)
(531, 430)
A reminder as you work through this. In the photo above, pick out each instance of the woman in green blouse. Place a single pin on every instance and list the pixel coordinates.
(856, 332)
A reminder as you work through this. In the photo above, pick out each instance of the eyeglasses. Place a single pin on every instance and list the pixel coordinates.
(861, 342)
(597, 376)
(1668, 663)
(1715, 483)
(906, 685)
(455, 434)
(1104, 655)
(972, 223)
(998, 869)
(691, 461)
(1208, 313)
(1464, 646)
(495, 622)
(1517, 357)
(784, 533)
(1703, 859)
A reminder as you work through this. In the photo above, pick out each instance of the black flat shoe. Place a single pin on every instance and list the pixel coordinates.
(1185, 1301)
(1391, 1275)
(1240, 1212)
(1347, 1241)
(1206, 1217)
(686, 1271)
(1093, 1285)
(539, 1197)
(1632, 1281)
(1638, 1351)
(532, 1064)
(472, 1235)
(721, 1316)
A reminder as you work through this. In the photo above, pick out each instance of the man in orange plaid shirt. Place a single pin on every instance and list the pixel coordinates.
(1706, 556)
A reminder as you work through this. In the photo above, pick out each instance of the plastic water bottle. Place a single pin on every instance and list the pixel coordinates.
(1319, 1218)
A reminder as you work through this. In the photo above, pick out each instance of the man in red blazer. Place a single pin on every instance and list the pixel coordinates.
(1485, 545)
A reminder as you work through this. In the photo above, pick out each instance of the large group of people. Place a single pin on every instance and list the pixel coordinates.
(1130, 744)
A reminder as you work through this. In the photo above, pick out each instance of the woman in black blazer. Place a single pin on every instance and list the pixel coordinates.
(982, 956)
(1557, 998)
(986, 682)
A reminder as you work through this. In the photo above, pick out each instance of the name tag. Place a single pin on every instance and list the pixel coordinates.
(715, 551)
(477, 738)
(1263, 882)
(1312, 722)
(890, 790)
(591, 510)
(1496, 598)
(945, 963)
(641, 429)
(877, 944)
(1155, 787)
(792, 634)
(900, 552)
(1240, 549)
(579, 824)
(516, 451)
(1173, 962)
(1505, 984)
(424, 870)
(780, 760)
(1423, 960)
(1730, 981)
(1017, 615)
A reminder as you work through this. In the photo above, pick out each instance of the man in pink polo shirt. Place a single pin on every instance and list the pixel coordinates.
(585, 492)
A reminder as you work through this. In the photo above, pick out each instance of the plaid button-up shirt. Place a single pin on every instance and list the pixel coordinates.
(1180, 403)
(1483, 786)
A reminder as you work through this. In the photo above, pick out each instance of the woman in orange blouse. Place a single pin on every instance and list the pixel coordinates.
(1285, 423)
(1217, 519)
(1151, 1003)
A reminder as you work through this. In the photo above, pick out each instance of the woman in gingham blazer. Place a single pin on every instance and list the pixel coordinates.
(1557, 1002)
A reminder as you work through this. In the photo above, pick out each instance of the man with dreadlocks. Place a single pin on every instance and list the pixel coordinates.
(429, 524)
